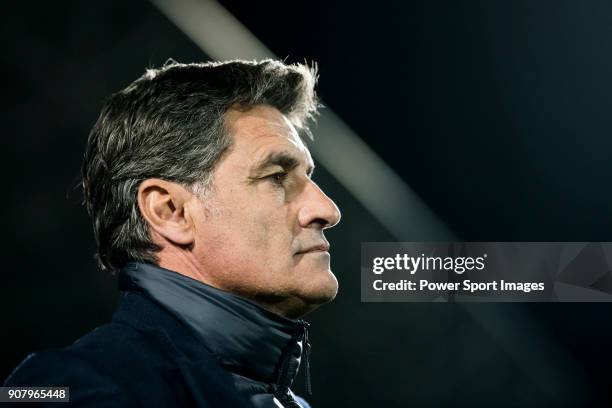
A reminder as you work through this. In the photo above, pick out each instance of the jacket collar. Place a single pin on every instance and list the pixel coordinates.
(244, 338)
(208, 383)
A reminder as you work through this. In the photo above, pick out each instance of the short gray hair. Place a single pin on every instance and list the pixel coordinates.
(169, 124)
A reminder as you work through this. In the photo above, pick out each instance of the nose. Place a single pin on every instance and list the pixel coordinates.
(317, 208)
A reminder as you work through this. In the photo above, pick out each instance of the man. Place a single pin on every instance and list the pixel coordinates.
(199, 186)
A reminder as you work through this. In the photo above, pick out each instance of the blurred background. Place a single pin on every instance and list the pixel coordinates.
(485, 121)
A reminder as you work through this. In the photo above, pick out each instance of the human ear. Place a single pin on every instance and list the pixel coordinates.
(163, 205)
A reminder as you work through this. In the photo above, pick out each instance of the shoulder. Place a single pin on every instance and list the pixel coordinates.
(59, 368)
(114, 363)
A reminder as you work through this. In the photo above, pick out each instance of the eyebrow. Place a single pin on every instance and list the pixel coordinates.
(283, 159)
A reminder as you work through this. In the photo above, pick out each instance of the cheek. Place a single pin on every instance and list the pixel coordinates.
(249, 231)
(252, 226)
(263, 218)
(265, 230)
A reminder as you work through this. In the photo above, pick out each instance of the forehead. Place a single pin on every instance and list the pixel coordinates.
(263, 130)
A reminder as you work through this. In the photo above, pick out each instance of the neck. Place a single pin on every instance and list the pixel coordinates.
(185, 264)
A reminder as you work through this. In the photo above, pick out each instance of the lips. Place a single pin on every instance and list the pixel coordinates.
(324, 247)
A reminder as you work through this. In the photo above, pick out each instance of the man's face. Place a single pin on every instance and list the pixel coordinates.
(259, 232)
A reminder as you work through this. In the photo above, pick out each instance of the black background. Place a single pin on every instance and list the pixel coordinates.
(496, 113)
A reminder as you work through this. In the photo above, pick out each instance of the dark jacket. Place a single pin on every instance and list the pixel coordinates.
(174, 341)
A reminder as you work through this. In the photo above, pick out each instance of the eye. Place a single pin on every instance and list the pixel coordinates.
(277, 178)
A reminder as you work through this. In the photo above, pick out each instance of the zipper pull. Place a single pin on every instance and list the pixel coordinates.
(306, 354)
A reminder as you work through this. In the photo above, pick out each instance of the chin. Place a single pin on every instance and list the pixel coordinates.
(322, 289)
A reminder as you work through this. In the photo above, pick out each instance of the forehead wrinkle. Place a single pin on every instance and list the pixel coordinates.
(284, 159)
(271, 133)
(288, 157)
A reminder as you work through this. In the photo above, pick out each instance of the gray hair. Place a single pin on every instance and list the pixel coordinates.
(169, 124)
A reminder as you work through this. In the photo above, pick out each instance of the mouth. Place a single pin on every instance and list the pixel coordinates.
(324, 247)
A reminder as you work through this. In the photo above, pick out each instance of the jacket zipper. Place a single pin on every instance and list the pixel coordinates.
(306, 354)
(280, 392)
